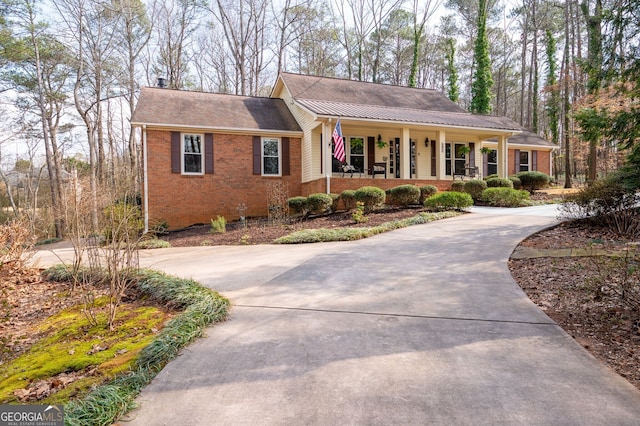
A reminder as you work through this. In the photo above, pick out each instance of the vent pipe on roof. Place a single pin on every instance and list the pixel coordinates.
(162, 82)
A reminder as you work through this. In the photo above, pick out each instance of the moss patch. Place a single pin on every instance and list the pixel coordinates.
(71, 343)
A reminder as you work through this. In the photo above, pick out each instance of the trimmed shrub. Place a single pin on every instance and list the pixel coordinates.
(298, 205)
(348, 198)
(474, 188)
(450, 200)
(426, 192)
(457, 186)
(371, 196)
(497, 182)
(505, 197)
(517, 184)
(319, 203)
(403, 195)
(532, 181)
(335, 203)
(495, 175)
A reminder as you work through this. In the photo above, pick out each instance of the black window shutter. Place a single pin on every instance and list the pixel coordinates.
(208, 152)
(433, 158)
(175, 152)
(371, 152)
(257, 154)
(534, 161)
(472, 154)
(286, 169)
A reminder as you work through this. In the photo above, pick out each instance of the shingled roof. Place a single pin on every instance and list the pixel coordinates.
(215, 111)
(326, 96)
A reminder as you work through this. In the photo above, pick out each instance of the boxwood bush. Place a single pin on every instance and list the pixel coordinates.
(426, 192)
(497, 182)
(298, 205)
(348, 198)
(474, 188)
(505, 197)
(450, 200)
(319, 203)
(371, 196)
(403, 195)
(457, 186)
(532, 181)
(335, 204)
(517, 184)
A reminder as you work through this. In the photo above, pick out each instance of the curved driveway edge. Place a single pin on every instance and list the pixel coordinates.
(422, 325)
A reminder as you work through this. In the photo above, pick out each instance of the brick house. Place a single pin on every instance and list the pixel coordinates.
(206, 154)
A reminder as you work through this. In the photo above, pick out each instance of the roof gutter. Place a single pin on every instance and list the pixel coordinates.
(227, 130)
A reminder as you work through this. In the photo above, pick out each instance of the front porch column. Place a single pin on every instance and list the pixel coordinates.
(326, 150)
(405, 153)
(440, 153)
(503, 157)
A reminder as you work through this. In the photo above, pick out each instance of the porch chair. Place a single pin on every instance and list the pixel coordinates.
(348, 168)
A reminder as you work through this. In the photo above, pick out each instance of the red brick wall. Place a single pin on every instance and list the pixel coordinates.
(186, 200)
(543, 162)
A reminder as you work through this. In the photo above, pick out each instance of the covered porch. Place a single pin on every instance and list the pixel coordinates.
(411, 153)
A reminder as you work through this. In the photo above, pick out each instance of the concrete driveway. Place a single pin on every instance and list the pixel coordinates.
(422, 325)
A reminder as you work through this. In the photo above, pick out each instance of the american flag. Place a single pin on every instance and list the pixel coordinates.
(338, 151)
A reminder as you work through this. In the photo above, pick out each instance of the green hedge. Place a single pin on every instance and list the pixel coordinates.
(426, 192)
(348, 198)
(532, 181)
(403, 195)
(371, 196)
(497, 182)
(474, 188)
(457, 186)
(450, 200)
(298, 205)
(319, 203)
(505, 197)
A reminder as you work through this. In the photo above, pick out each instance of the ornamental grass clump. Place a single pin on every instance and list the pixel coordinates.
(218, 225)
(450, 200)
(403, 195)
(371, 196)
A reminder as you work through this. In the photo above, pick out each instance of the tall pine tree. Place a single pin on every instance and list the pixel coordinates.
(482, 80)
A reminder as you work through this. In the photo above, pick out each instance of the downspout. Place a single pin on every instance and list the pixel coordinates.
(145, 180)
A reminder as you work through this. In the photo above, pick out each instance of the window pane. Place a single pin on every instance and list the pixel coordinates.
(357, 146)
(270, 165)
(524, 161)
(492, 169)
(270, 148)
(192, 143)
(192, 163)
(459, 167)
(492, 156)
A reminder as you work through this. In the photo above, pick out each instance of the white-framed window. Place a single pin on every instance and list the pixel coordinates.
(356, 152)
(455, 159)
(524, 165)
(192, 154)
(271, 157)
(492, 162)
